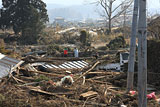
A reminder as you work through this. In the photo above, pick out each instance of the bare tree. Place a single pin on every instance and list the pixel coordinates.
(131, 62)
(126, 17)
(110, 12)
(142, 55)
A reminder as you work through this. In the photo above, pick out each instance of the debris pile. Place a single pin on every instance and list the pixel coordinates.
(118, 42)
(73, 83)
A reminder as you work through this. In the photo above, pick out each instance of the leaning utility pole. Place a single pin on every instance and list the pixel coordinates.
(142, 55)
(131, 62)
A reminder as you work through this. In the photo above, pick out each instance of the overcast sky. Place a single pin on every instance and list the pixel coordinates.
(151, 3)
(65, 2)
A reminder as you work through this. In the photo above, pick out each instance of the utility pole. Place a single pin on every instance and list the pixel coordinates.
(130, 77)
(142, 55)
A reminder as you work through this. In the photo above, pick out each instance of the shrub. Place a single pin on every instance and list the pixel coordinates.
(118, 42)
(54, 49)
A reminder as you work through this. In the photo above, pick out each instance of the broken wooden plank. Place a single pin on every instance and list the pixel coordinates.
(16, 79)
(88, 70)
(35, 89)
(88, 94)
(106, 73)
(99, 77)
(32, 83)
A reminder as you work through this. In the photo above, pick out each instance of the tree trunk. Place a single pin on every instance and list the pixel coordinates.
(109, 26)
(110, 18)
(131, 63)
(124, 24)
(142, 55)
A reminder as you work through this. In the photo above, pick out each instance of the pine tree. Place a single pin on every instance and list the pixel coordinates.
(24, 16)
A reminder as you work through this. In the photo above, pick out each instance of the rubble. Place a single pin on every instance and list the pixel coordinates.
(83, 85)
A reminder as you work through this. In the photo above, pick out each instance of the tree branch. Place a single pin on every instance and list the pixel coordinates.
(119, 13)
(104, 5)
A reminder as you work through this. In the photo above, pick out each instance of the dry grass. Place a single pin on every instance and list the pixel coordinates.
(102, 40)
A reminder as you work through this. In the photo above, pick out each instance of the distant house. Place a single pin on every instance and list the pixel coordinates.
(8, 65)
(60, 21)
(101, 22)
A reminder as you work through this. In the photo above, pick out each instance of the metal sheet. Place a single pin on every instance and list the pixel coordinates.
(70, 65)
(4, 71)
(54, 66)
(85, 62)
(82, 63)
(62, 67)
(74, 65)
(66, 66)
(6, 63)
(48, 66)
(78, 64)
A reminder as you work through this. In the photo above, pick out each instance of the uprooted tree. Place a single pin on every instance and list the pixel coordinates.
(27, 17)
(110, 12)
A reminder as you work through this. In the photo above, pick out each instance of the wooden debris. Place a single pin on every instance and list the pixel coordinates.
(100, 77)
(88, 70)
(106, 73)
(33, 83)
(96, 81)
(16, 79)
(35, 89)
(82, 102)
(49, 74)
(84, 80)
(87, 102)
(88, 94)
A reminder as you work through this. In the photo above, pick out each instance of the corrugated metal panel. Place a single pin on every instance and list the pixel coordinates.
(68, 65)
(48, 66)
(78, 64)
(54, 66)
(44, 66)
(85, 62)
(82, 63)
(2, 64)
(74, 65)
(6, 63)
(62, 67)
(4, 71)
(11, 60)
